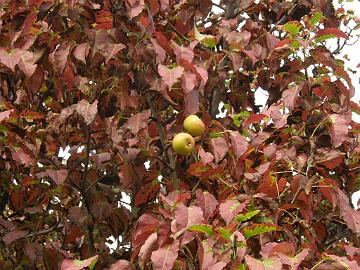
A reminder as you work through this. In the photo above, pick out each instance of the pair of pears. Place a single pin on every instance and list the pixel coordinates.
(184, 143)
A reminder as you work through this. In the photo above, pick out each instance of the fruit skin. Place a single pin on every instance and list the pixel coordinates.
(194, 125)
(183, 143)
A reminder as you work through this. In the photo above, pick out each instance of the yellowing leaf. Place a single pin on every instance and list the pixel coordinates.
(207, 40)
(259, 228)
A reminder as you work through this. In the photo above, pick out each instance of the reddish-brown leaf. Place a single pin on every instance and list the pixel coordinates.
(332, 31)
(81, 51)
(291, 96)
(77, 264)
(86, 110)
(188, 82)
(219, 147)
(160, 52)
(134, 7)
(13, 236)
(192, 102)
(238, 142)
(186, 217)
(59, 57)
(339, 128)
(145, 251)
(121, 265)
(146, 193)
(164, 258)
(58, 176)
(255, 118)
(207, 202)
(138, 121)
(10, 59)
(170, 76)
(231, 208)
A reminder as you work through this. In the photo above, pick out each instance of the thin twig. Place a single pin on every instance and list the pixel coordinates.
(86, 164)
(46, 231)
(217, 5)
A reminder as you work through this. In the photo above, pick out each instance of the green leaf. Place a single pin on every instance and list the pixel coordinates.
(202, 228)
(3, 128)
(316, 18)
(295, 44)
(243, 217)
(225, 233)
(241, 267)
(215, 134)
(207, 40)
(259, 228)
(292, 28)
(324, 37)
(238, 117)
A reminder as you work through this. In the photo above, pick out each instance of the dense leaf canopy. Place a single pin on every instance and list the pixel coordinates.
(92, 93)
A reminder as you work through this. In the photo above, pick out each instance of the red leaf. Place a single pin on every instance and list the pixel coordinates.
(207, 202)
(353, 265)
(290, 96)
(69, 76)
(58, 176)
(192, 102)
(217, 266)
(77, 264)
(164, 258)
(86, 110)
(268, 264)
(146, 225)
(163, 42)
(22, 158)
(255, 118)
(59, 57)
(237, 60)
(138, 121)
(31, 115)
(170, 76)
(205, 249)
(272, 249)
(26, 63)
(146, 193)
(352, 220)
(5, 114)
(183, 53)
(134, 7)
(121, 265)
(160, 52)
(254, 264)
(10, 59)
(206, 157)
(271, 187)
(339, 128)
(219, 147)
(330, 159)
(146, 249)
(13, 236)
(332, 31)
(239, 144)
(103, 43)
(81, 51)
(186, 217)
(199, 169)
(294, 262)
(188, 82)
(104, 20)
(231, 208)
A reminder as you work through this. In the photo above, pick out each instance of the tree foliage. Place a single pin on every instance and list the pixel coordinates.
(111, 81)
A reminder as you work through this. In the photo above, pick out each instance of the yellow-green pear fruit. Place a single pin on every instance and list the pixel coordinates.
(183, 143)
(194, 125)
